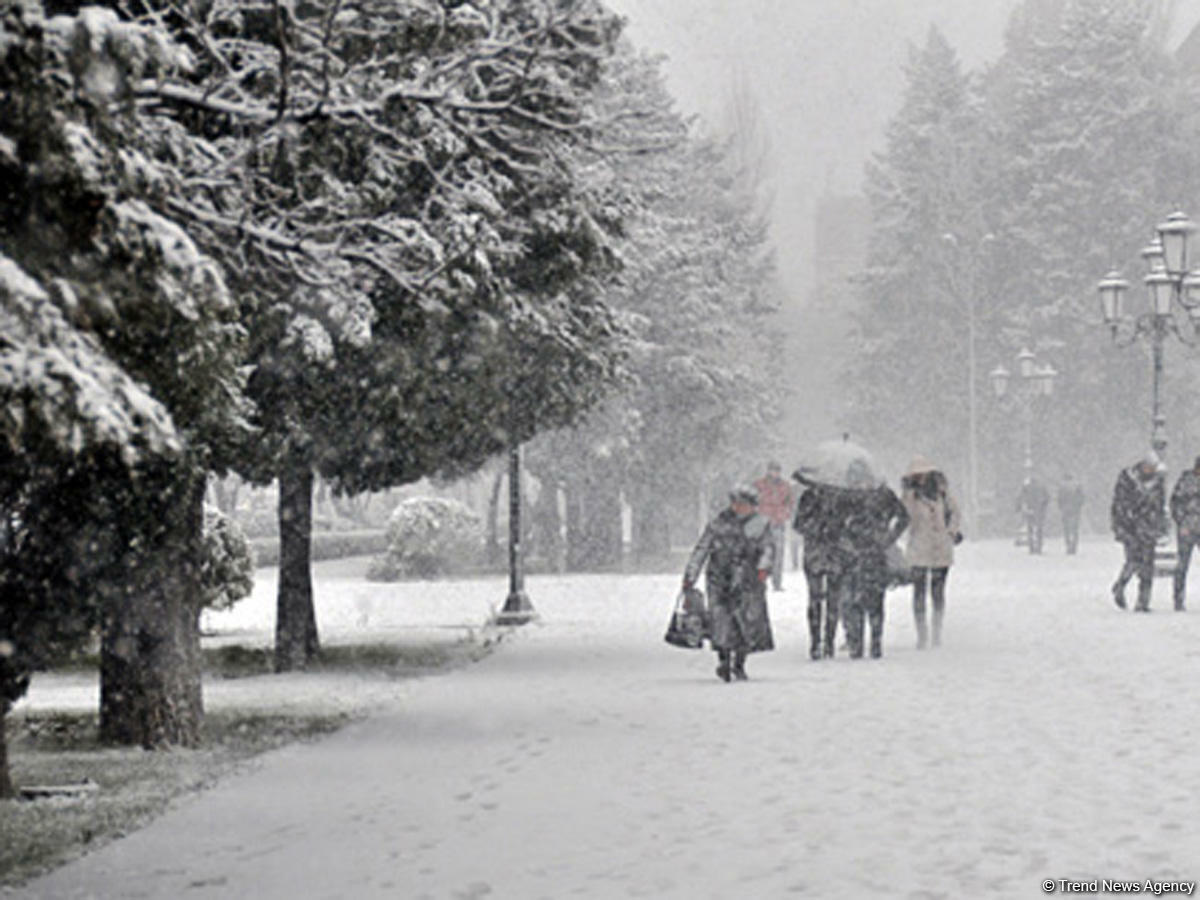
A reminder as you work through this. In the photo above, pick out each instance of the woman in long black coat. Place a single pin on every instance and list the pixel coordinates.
(818, 520)
(875, 519)
(739, 553)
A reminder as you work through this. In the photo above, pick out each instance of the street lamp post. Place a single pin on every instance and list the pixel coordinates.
(517, 609)
(1037, 381)
(1171, 287)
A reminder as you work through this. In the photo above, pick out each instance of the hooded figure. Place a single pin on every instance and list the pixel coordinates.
(739, 553)
(934, 528)
(818, 520)
(874, 519)
(1138, 518)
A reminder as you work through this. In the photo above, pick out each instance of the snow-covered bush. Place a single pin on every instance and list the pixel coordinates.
(227, 572)
(428, 536)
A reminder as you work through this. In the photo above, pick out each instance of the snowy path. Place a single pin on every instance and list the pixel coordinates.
(1052, 737)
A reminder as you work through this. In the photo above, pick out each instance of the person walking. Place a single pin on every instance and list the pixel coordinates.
(1138, 518)
(817, 522)
(1070, 506)
(1185, 511)
(738, 549)
(934, 528)
(775, 500)
(875, 519)
(1032, 500)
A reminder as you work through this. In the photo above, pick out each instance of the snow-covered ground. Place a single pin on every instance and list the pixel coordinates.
(1052, 737)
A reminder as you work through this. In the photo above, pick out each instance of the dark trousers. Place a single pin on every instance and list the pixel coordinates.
(1139, 560)
(824, 594)
(1034, 527)
(936, 578)
(1071, 532)
(1183, 547)
(864, 601)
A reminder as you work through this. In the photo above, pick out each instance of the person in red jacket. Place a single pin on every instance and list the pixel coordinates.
(775, 501)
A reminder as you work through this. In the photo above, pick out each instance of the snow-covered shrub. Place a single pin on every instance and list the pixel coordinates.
(227, 571)
(428, 536)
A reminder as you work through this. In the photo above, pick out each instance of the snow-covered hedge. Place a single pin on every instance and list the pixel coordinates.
(428, 536)
(227, 572)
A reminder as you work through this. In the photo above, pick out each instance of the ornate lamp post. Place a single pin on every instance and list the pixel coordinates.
(1037, 381)
(1172, 288)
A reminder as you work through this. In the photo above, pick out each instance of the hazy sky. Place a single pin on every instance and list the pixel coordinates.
(826, 73)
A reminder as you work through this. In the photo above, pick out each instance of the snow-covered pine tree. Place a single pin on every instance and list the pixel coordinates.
(108, 523)
(924, 299)
(401, 187)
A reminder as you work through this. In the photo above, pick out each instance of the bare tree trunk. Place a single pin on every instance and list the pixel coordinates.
(296, 641)
(651, 529)
(7, 791)
(150, 666)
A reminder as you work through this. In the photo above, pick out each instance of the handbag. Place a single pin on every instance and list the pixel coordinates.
(898, 571)
(688, 626)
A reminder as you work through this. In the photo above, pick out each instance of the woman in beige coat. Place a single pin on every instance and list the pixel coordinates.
(934, 528)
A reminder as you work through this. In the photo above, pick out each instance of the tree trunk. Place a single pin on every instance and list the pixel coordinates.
(576, 538)
(296, 642)
(651, 529)
(594, 527)
(150, 667)
(6, 786)
(547, 532)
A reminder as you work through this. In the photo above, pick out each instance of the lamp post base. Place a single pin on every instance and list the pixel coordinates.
(517, 610)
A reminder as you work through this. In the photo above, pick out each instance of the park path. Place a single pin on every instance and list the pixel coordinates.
(1051, 737)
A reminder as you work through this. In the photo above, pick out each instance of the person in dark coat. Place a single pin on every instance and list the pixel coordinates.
(1138, 518)
(1185, 511)
(818, 521)
(1032, 500)
(1070, 506)
(739, 551)
(875, 518)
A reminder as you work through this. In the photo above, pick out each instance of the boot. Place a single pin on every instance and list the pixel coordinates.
(830, 636)
(1118, 596)
(937, 629)
(876, 622)
(723, 671)
(739, 666)
(1143, 601)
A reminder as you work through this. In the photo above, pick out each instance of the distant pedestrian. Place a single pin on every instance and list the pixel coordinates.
(818, 522)
(1070, 506)
(739, 552)
(1032, 500)
(775, 499)
(934, 528)
(1138, 520)
(1185, 510)
(875, 519)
